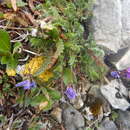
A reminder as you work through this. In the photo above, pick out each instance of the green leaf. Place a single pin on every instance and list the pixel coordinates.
(12, 62)
(37, 100)
(5, 46)
(4, 60)
(35, 41)
(68, 76)
(53, 33)
(72, 59)
(55, 95)
(16, 46)
(20, 3)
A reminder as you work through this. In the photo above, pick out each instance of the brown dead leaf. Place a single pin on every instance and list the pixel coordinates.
(43, 105)
(53, 61)
(17, 17)
(14, 4)
(9, 16)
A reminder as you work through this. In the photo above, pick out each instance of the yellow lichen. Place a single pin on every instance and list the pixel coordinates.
(10, 72)
(33, 66)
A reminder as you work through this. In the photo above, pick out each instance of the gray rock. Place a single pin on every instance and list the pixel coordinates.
(125, 22)
(123, 120)
(107, 125)
(73, 120)
(115, 93)
(120, 60)
(115, 57)
(111, 23)
(107, 23)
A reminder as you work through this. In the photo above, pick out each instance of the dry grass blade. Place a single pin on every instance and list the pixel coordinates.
(14, 5)
(31, 18)
(32, 7)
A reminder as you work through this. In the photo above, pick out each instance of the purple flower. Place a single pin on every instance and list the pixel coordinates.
(27, 84)
(115, 74)
(70, 93)
(128, 75)
(128, 70)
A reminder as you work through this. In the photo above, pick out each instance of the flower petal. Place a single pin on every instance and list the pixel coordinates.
(115, 74)
(128, 70)
(33, 84)
(128, 75)
(27, 87)
(23, 83)
(70, 93)
(27, 84)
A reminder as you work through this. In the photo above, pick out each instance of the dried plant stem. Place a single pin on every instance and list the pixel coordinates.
(25, 59)
(92, 124)
(10, 122)
(31, 52)
(14, 28)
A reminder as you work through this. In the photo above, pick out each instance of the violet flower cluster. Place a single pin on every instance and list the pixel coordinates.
(128, 73)
(70, 93)
(115, 74)
(124, 73)
(26, 84)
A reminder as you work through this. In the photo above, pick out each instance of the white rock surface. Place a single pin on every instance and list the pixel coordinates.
(110, 91)
(125, 22)
(111, 23)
